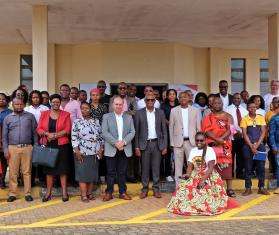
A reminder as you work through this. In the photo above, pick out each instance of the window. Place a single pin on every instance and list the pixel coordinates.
(238, 74)
(264, 84)
(26, 71)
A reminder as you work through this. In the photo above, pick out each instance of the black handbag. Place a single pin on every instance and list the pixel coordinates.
(44, 156)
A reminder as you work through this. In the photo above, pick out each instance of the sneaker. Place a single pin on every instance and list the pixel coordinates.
(169, 179)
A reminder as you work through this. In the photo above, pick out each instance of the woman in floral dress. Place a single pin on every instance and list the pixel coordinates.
(201, 190)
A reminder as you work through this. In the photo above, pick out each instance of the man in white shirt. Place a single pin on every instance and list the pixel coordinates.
(183, 125)
(150, 143)
(274, 92)
(141, 103)
(35, 106)
(223, 93)
(237, 112)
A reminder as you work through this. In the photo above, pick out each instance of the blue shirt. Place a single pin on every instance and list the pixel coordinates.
(274, 132)
(3, 114)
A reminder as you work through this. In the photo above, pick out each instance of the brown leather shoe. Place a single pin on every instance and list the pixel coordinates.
(125, 196)
(263, 191)
(247, 192)
(143, 195)
(157, 194)
(107, 197)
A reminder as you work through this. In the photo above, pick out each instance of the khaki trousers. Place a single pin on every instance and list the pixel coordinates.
(20, 161)
(179, 154)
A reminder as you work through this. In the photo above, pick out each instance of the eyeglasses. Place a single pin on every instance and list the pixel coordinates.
(122, 88)
(223, 86)
(199, 140)
(100, 86)
(152, 100)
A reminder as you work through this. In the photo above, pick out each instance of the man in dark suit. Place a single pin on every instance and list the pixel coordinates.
(150, 143)
(227, 99)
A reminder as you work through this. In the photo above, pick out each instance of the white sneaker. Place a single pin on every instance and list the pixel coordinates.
(169, 179)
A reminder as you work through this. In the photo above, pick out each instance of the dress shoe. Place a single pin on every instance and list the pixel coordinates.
(125, 196)
(107, 197)
(143, 195)
(29, 198)
(46, 198)
(247, 192)
(157, 194)
(65, 198)
(263, 191)
(11, 199)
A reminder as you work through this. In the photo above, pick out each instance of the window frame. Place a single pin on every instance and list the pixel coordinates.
(239, 70)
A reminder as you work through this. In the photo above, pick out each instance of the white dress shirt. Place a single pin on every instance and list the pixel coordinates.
(141, 104)
(260, 112)
(119, 122)
(185, 120)
(151, 126)
(268, 99)
(36, 111)
(225, 101)
(231, 109)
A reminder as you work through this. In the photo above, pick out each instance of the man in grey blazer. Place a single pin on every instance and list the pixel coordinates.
(118, 132)
(150, 143)
(183, 125)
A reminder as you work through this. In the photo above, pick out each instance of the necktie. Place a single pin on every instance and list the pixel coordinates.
(238, 115)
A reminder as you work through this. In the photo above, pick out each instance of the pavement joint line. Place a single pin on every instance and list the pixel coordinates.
(155, 221)
(37, 206)
(245, 206)
(148, 215)
(82, 212)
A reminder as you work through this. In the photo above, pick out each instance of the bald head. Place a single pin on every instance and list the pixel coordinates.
(118, 103)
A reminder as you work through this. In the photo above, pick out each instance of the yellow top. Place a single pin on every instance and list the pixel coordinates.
(268, 116)
(248, 121)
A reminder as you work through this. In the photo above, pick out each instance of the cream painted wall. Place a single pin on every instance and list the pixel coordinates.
(220, 67)
(132, 62)
(10, 65)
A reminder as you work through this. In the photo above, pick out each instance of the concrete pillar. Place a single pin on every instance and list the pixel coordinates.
(273, 46)
(40, 47)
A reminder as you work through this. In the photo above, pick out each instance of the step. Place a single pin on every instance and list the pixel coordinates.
(133, 189)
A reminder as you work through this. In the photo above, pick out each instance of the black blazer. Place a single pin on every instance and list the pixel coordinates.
(141, 128)
(230, 98)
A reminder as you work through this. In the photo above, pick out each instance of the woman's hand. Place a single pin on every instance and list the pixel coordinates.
(184, 177)
(79, 156)
(100, 152)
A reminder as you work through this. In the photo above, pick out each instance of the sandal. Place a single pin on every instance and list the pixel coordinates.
(84, 199)
(231, 193)
(91, 197)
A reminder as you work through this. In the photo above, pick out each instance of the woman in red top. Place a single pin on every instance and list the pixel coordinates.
(216, 126)
(54, 129)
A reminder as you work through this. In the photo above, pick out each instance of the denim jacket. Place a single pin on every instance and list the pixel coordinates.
(274, 132)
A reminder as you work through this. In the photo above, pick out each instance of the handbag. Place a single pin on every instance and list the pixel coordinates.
(260, 156)
(44, 156)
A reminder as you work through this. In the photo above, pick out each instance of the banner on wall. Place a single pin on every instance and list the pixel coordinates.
(182, 87)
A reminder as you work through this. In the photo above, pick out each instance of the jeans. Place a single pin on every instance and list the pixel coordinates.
(260, 166)
(277, 168)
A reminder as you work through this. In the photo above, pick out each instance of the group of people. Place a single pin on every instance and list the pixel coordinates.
(123, 137)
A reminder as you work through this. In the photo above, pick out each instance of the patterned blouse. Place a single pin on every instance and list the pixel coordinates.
(97, 113)
(86, 134)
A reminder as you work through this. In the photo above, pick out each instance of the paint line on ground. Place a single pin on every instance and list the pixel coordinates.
(42, 205)
(125, 222)
(83, 212)
(245, 206)
(148, 215)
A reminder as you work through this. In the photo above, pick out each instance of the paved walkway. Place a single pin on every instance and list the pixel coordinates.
(256, 215)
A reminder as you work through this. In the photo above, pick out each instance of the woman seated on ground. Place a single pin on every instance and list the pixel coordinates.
(202, 191)
(87, 143)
